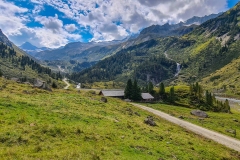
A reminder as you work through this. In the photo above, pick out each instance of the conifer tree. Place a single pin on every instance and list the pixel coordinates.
(128, 89)
(136, 91)
(227, 106)
(161, 89)
(171, 95)
(150, 88)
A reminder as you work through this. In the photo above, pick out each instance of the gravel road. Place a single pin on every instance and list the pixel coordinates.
(217, 137)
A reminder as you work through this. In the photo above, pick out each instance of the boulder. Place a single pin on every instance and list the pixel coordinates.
(235, 120)
(38, 83)
(41, 85)
(103, 99)
(149, 120)
(181, 117)
(231, 131)
(199, 113)
(127, 100)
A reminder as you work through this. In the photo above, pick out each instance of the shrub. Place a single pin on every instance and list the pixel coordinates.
(54, 85)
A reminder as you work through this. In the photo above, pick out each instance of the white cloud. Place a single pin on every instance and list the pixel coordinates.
(13, 21)
(51, 23)
(105, 19)
(70, 27)
(133, 14)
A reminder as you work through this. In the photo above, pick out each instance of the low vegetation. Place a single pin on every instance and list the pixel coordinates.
(220, 122)
(67, 124)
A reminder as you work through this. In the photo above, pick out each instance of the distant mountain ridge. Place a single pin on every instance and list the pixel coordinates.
(200, 20)
(173, 29)
(96, 51)
(31, 49)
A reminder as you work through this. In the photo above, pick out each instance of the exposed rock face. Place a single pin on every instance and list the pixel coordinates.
(199, 113)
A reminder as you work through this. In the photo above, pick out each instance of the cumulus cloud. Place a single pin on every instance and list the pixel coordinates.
(14, 19)
(70, 27)
(51, 23)
(104, 19)
(133, 15)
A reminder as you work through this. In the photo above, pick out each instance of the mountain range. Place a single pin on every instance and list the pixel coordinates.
(210, 47)
(154, 55)
(31, 49)
(81, 53)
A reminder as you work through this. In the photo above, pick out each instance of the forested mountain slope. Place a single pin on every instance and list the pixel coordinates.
(207, 48)
(140, 61)
(14, 63)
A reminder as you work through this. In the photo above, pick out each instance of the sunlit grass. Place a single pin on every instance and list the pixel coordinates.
(66, 124)
(219, 122)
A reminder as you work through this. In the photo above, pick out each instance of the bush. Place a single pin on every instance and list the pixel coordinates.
(1, 74)
(54, 85)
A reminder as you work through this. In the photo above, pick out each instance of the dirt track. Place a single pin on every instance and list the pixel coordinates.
(217, 137)
(65, 81)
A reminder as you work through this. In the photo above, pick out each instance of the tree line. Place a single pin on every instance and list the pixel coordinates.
(197, 98)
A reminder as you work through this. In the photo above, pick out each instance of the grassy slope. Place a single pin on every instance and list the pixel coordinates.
(219, 122)
(71, 125)
(227, 76)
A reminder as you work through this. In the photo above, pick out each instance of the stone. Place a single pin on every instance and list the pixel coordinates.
(137, 114)
(235, 120)
(149, 120)
(199, 113)
(32, 125)
(127, 100)
(103, 99)
(181, 117)
(231, 131)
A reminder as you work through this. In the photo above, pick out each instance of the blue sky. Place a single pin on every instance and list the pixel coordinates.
(54, 23)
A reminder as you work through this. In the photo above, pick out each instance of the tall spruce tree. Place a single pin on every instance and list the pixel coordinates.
(1, 74)
(150, 88)
(161, 89)
(136, 91)
(171, 95)
(227, 106)
(128, 89)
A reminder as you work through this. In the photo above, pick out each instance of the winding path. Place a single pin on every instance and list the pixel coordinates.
(65, 81)
(217, 137)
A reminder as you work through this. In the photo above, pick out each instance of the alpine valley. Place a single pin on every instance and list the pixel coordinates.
(168, 91)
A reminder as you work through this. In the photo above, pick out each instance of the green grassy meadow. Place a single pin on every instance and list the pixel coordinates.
(219, 122)
(67, 124)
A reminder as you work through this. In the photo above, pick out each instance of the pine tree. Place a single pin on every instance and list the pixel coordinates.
(227, 106)
(128, 89)
(54, 85)
(207, 97)
(161, 89)
(171, 95)
(150, 88)
(1, 74)
(136, 92)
